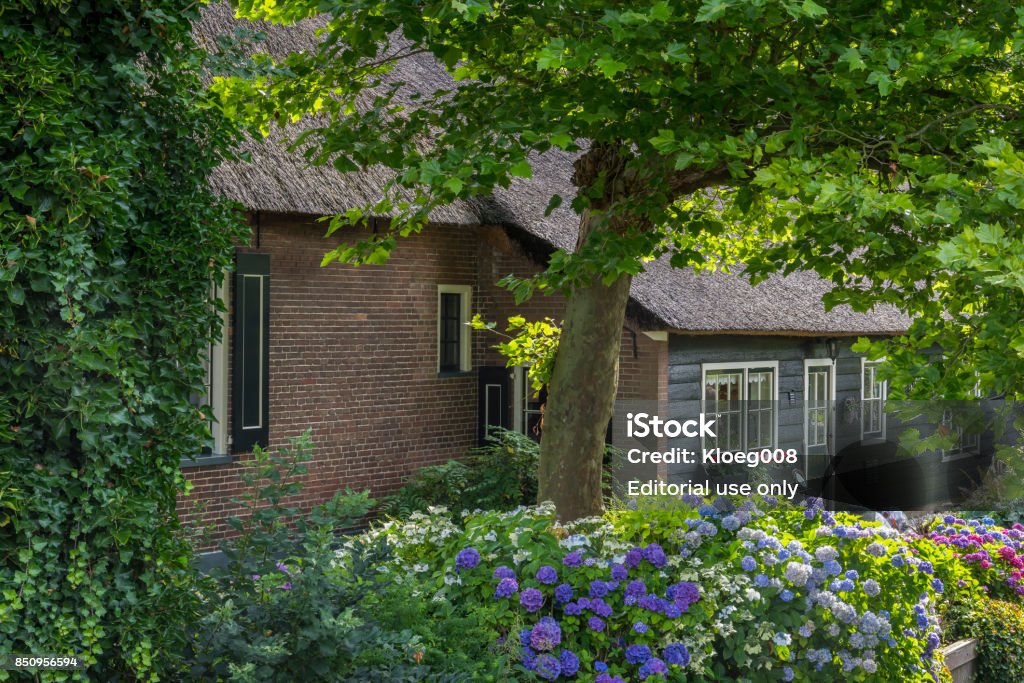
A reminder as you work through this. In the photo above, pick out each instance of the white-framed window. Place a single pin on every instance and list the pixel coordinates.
(872, 402)
(213, 401)
(742, 397)
(453, 349)
(527, 413)
(819, 399)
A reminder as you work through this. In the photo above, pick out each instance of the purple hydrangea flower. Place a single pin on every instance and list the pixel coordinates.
(506, 588)
(619, 572)
(572, 609)
(655, 554)
(531, 599)
(636, 588)
(573, 559)
(937, 585)
(546, 635)
(608, 678)
(633, 557)
(563, 593)
(596, 624)
(598, 589)
(547, 575)
(640, 627)
(467, 559)
(600, 608)
(570, 663)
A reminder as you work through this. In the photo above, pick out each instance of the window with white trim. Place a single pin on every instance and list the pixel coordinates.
(742, 399)
(872, 402)
(212, 401)
(453, 350)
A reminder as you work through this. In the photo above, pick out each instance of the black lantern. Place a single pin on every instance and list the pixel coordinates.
(832, 348)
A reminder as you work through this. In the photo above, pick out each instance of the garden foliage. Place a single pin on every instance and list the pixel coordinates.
(999, 627)
(695, 593)
(109, 241)
(297, 601)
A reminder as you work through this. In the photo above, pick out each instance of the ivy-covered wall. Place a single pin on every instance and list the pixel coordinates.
(108, 240)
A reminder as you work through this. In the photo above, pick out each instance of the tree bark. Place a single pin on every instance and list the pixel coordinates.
(580, 396)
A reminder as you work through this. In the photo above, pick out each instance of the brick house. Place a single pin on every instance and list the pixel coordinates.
(375, 361)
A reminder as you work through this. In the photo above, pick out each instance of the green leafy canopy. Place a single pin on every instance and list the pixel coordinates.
(874, 143)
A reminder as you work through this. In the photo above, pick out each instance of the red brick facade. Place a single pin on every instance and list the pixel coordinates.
(353, 356)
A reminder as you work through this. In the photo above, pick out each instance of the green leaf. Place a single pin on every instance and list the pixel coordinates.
(610, 66)
(522, 169)
(813, 9)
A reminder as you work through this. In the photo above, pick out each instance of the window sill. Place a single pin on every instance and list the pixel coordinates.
(204, 460)
(445, 374)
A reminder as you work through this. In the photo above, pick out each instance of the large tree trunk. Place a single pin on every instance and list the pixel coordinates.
(580, 396)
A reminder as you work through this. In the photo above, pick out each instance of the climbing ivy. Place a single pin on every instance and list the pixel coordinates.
(109, 239)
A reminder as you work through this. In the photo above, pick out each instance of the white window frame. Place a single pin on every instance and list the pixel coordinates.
(216, 397)
(745, 367)
(830, 412)
(465, 301)
(876, 436)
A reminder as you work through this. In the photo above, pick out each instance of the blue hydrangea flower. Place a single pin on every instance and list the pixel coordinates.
(652, 667)
(787, 674)
(638, 654)
(748, 564)
(600, 667)
(676, 653)
(786, 595)
(531, 599)
(569, 662)
(506, 588)
(897, 561)
(640, 627)
(598, 589)
(937, 585)
(504, 572)
(600, 608)
(871, 587)
(563, 593)
(545, 635)
(761, 580)
(573, 559)
(547, 575)
(573, 609)
(467, 558)
(595, 624)
(608, 678)
(633, 557)
(707, 511)
(548, 667)
(782, 639)
(730, 523)
(619, 572)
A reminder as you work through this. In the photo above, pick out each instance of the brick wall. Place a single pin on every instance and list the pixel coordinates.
(353, 356)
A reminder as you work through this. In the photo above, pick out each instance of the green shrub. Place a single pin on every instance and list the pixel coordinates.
(999, 627)
(496, 476)
(298, 602)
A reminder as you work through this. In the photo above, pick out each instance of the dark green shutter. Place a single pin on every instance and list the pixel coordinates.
(250, 385)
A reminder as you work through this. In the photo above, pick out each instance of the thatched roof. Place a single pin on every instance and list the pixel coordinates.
(662, 297)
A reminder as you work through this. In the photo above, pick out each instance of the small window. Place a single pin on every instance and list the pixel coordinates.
(872, 403)
(742, 398)
(453, 352)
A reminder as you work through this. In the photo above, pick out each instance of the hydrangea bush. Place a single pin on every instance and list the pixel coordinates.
(687, 591)
(994, 555)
